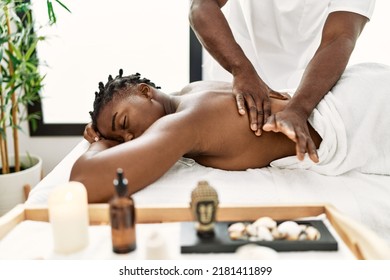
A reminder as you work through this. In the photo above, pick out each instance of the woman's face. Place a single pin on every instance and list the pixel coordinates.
(126, 117)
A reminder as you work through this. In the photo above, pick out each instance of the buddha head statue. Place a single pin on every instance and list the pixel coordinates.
(204, 205)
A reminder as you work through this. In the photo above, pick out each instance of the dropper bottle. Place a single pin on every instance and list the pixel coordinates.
(122, 217)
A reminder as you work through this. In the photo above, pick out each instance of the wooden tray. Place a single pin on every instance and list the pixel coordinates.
(363, 242)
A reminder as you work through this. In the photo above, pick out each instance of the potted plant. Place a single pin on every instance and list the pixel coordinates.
(21, 83)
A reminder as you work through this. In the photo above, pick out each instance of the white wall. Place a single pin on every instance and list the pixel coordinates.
(374, 43)
(51, 149)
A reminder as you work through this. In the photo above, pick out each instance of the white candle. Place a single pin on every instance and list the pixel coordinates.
(156, 248)
(68, 214)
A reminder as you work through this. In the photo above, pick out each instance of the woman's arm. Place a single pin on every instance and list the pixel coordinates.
(144, 159)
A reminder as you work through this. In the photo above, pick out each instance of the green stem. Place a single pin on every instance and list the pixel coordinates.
(14, 103)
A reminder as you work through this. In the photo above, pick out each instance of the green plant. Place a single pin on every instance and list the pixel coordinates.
(20, 78)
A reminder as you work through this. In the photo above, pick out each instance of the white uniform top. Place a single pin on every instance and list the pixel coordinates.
(279, 36)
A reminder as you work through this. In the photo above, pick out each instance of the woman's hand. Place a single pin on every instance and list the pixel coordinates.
(90, 134)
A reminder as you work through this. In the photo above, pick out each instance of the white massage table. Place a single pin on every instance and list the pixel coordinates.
(364, 198)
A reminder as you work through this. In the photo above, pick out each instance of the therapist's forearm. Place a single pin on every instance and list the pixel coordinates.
(340, 33)
(321, 74)
(212, 29)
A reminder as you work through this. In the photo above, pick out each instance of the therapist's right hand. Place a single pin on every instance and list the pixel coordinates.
(252, 95)
(90, 134)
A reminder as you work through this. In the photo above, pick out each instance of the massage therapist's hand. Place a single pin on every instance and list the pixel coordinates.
(90, 134)
(294, 126)
(253, 94)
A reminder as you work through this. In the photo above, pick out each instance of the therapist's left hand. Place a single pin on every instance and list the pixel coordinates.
(252, 95)
(294, 126)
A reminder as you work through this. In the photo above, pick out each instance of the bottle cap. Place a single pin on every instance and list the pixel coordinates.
(120, 183)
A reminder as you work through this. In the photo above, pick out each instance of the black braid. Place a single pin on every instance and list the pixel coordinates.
(112, 87)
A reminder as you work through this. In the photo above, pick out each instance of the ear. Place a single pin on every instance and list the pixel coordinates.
(145, 90)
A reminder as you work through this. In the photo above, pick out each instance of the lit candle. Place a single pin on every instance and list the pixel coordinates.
(68, 214)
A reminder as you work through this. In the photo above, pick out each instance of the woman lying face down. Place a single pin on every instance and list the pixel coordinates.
(145, 131)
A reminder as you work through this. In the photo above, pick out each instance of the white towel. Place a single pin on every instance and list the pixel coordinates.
(353, 120)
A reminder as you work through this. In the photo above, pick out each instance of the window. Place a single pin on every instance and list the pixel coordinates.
(98, 38)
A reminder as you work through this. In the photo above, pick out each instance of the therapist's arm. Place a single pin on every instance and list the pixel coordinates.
(213, 31)
(339, 36)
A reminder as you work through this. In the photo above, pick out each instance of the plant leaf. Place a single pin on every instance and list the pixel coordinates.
(50, 10)
(63, 6)
(16, 51)
(31, 49)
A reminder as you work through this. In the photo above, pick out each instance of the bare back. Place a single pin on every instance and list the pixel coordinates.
(226, 141)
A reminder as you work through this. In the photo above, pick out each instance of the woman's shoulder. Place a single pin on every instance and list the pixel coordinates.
(202, 86)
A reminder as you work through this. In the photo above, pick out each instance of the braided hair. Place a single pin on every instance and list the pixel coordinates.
(112, 88)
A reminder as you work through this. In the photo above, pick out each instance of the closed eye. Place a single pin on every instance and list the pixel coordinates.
(124, 122)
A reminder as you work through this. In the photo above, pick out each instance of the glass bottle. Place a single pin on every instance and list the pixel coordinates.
(122, 217)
